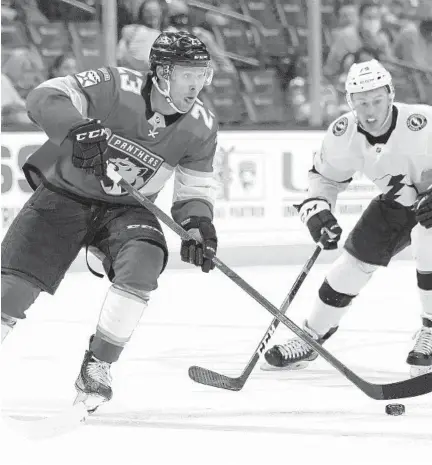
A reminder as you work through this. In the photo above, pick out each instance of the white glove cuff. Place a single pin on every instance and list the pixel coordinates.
(312, 207)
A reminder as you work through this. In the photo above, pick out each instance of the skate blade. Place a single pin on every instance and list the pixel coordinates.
(292, 367)
(419, 370)
(90, 401)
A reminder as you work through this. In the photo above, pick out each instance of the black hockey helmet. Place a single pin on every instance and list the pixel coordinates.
(178, 48)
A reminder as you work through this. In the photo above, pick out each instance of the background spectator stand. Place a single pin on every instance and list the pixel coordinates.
(13, 110)
(259, 50)
(179, 19)
(366, 35)
(25, 69)
(414, 47)
(63, 65)
(136, 39)
(346, 15)
(414, 44)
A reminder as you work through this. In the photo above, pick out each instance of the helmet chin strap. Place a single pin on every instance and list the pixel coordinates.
(166, 94)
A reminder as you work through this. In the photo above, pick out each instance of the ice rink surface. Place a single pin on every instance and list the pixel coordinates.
(159, 416)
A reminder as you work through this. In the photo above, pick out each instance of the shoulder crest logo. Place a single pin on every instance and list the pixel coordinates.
(88, 78)
(340, 127)
(416, 122)
(105, 73)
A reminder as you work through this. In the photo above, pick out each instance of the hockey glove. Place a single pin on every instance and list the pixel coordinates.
(423, 210)
(89, 140)
(199, 253)
(316, 214)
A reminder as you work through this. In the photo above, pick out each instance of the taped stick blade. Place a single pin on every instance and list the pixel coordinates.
(211, 378)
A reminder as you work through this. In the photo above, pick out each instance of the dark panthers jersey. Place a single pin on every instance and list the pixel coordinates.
(146, 146)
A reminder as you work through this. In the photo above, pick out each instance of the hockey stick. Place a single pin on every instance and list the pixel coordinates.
(205, 376)
(407, 388)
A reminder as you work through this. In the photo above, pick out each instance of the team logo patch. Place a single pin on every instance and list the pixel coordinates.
(88, 78)
(105, 73)
(135, 163)
(416, 122)
(340, 127)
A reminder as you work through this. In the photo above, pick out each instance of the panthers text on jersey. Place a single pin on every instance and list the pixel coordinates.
(399, 162)
(146, 146)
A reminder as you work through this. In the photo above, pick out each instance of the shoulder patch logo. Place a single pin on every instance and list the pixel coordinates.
(88, 78)
(340, 127)
(416, 122)
(105, 73)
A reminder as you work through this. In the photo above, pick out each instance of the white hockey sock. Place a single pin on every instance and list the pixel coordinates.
(120, 315)
(325, 317)
(426, 301)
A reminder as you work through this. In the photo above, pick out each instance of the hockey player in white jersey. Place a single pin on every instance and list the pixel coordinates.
(390, 143)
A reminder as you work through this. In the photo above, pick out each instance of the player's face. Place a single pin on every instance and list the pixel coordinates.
(372, 108)
(186, 84)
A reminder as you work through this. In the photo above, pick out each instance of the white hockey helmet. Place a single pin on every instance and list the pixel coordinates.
(365, 76)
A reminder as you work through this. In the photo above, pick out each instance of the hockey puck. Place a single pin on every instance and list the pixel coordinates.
(395, 409)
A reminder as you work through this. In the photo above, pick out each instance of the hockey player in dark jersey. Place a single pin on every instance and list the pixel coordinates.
(150, 127)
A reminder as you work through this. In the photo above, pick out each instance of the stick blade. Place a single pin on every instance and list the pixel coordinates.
(412, 387)
(211, 378)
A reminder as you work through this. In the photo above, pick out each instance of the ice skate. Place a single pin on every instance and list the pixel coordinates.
(420, 358)
(93, 384)
(295, 354)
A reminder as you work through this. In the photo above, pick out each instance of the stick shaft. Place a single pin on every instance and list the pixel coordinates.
(407, 388)
(185, 235)
(284, 307)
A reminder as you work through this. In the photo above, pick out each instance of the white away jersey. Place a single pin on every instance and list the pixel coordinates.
(401, 167)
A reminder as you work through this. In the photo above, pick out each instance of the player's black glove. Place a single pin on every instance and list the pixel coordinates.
(316, 214)
(423, 210)
(89, 140)
(199, 253)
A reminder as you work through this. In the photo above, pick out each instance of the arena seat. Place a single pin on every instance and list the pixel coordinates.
(405, 88)
(327, 14)
(263, 11)
(236, 38)
(51, 40)
(87, 43)
(291, 12)
(13, 35)
(226, 99)
(263, 96)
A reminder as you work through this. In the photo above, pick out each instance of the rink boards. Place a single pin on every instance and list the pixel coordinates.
(260, 174)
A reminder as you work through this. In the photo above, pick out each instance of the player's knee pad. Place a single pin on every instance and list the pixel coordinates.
(121, 312)
(424, 280)
(137, 267)
(331, 297)
(17, 295)
(349, 275)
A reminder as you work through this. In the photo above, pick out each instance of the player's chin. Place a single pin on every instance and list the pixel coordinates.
(371, 124)
(187, 103)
